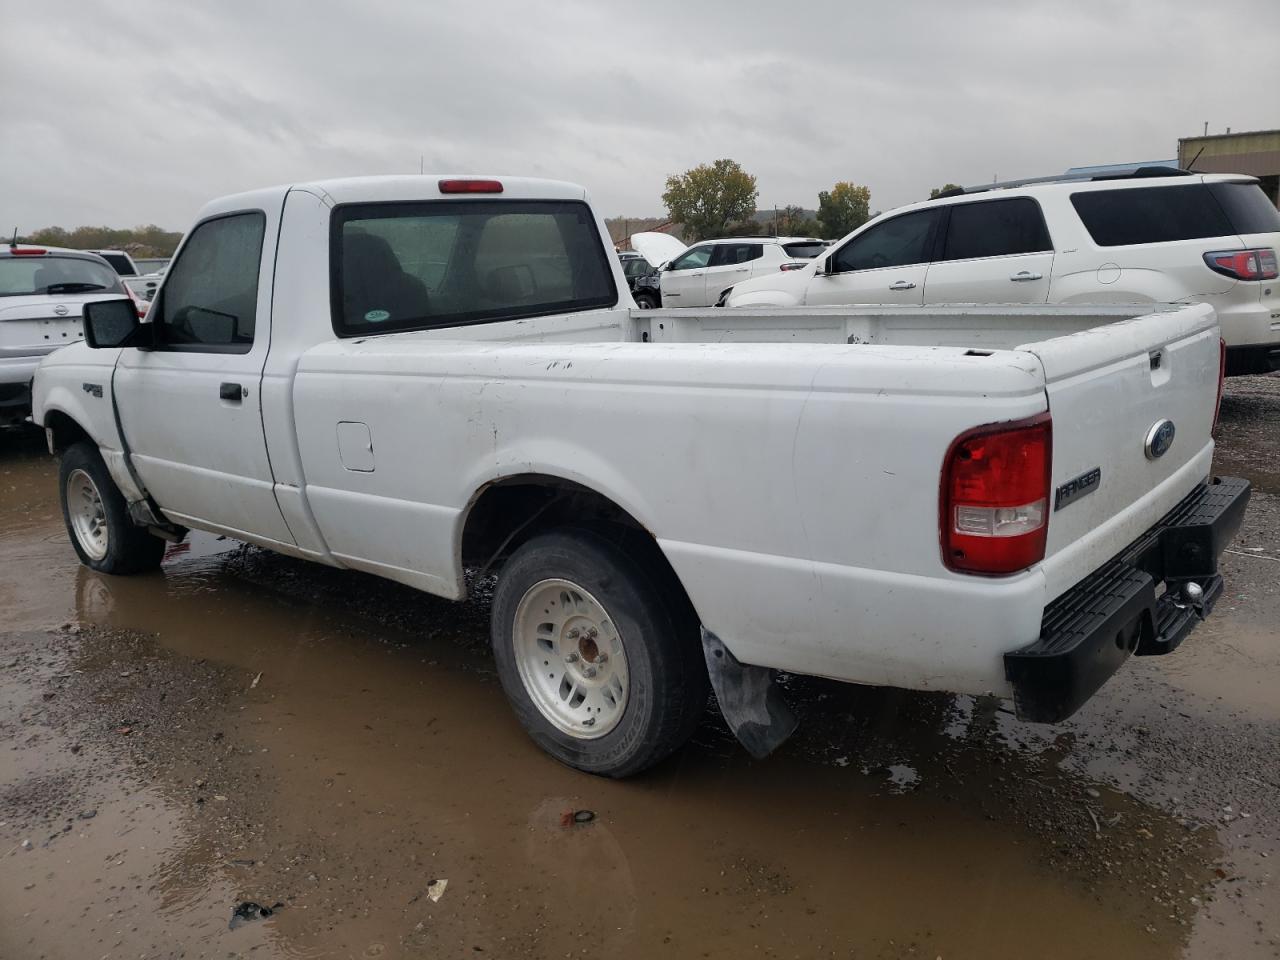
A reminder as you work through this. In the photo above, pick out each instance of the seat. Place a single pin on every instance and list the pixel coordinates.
(375, 287)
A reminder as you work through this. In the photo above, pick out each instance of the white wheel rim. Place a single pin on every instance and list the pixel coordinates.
(87, 513)
(571, 659)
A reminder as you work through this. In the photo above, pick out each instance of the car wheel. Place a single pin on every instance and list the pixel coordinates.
(97, 517)
(596, 652)
(646, 302)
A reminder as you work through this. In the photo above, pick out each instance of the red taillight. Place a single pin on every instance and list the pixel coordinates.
(995, 497)
(1256, 264)
(27, 251)
(138, 307)
(1222, 377)
(470, 186)
(792, 266)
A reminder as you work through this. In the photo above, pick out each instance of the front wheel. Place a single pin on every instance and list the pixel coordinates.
(596, 652)
(97, 517)
(646, 301)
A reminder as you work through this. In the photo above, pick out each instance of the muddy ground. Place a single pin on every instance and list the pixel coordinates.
(241, 727)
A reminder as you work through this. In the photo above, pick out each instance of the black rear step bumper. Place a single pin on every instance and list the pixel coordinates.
(1089, 631)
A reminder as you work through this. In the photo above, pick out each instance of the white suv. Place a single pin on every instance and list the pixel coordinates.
(1153, 235)
(696, 277)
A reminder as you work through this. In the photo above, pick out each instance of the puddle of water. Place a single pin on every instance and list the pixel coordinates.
(376, 754)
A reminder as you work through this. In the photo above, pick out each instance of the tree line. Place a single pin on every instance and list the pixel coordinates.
(144, 241)
(719, 200)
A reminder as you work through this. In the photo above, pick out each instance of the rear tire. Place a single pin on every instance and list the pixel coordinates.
(597, 651)
(97, 517)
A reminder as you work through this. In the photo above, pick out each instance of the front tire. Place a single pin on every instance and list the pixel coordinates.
(597, 652)
(646, 301)
(97, 517)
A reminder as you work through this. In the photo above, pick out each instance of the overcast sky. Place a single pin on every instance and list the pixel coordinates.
(137, 112)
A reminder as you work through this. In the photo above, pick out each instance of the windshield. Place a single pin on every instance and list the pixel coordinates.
(25, 276)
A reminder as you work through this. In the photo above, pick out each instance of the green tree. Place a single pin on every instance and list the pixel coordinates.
(843, 208)
(793, 222)
(142, 241)
(939, 191)
(706, 199)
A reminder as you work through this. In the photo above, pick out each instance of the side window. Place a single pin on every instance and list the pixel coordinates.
(1116, 218)
(995, 228)
(210, 298)
(898, 242)
(635, 268)
(693, 259)
(727, 254)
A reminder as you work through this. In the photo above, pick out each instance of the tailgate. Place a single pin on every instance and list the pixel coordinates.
(1109, 390)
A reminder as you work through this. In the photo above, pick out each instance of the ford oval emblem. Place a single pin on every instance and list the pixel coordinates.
(1159, 439)
(60, 309)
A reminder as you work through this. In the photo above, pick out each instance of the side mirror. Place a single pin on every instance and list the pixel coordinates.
(111, 323)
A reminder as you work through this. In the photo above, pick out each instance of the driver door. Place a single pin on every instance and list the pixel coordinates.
(684, 282)
(885, 264)
(191, 406)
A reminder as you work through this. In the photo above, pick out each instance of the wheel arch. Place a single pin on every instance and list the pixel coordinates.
(64, 430)
(507, 511)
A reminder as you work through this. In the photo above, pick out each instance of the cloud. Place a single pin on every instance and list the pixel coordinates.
(142, 112)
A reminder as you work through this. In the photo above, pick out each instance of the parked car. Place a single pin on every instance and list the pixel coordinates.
(658, 249)
(642, 280)
(1152, 235)
(121, 262)
(42, 292)
(140, 282)
(695, 276)
(964, 499)
(151, 265)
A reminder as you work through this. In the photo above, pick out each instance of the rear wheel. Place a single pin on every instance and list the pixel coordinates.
(601, 662)
(97, 517)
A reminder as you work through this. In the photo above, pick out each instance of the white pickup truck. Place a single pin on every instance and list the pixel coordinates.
(420, 376)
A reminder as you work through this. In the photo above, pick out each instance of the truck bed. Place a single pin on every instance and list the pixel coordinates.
(978, 326)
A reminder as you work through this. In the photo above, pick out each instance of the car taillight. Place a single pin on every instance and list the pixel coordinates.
(995, 497)
(470, 186)
(793, 266)
(138, 308)
(1222, 377)
(1256, 264)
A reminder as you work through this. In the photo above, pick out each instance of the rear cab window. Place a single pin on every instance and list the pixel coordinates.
(428, 264)
(995, 228)
(1183, 212)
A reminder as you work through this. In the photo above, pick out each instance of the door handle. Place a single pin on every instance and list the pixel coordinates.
(1022, 276)
(902, 285)
(740, 270)
(230, 391)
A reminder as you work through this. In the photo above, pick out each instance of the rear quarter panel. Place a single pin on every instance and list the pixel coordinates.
(794, 487)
